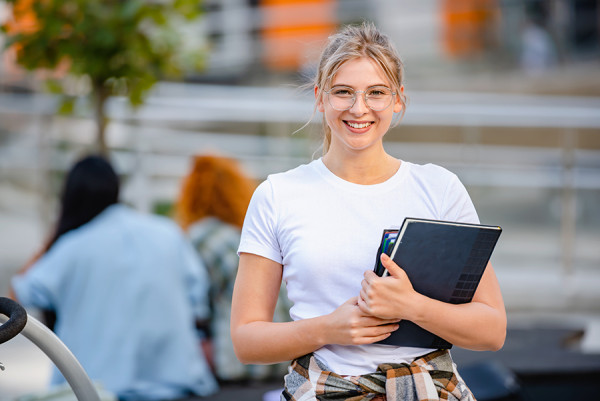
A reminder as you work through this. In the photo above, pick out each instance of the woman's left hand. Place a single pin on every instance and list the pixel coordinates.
(387, 297)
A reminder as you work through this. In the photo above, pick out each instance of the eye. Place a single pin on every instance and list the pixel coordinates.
(379, 91)
(341, 91)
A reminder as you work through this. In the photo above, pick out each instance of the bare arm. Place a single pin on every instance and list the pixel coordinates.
(478, 325)
(257, 339)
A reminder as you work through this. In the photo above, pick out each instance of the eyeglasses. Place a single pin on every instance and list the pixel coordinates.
(376, 98)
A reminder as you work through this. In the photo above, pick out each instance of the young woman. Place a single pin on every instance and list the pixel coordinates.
(317, 228)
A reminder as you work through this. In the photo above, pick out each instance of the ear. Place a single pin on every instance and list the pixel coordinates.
(319, 99)
(397, 103)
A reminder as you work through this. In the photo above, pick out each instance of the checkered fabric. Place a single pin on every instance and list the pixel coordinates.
(216, 243)
(430, 377)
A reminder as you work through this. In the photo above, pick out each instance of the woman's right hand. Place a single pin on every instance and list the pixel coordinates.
(348, 325)
(258, 340)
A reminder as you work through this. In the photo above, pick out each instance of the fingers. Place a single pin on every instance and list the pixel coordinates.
(370, 276)
(369, 279)
(362, 304)
(378, 333)
(391, 266)
(371, 334)
(358, 326)
(370, 318)
(368, 295)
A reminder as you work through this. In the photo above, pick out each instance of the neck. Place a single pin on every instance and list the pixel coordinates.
(362, 168)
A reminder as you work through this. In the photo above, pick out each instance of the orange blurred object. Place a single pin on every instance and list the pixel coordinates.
(467, 25)
(294, 31)
(23, 20)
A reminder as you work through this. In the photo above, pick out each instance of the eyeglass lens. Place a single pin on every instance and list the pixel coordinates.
(376, 98)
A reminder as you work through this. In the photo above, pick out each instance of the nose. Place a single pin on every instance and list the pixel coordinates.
(360, 105)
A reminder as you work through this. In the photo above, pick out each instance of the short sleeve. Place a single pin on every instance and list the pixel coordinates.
(259, 233)
(457, 204)
(40, 286)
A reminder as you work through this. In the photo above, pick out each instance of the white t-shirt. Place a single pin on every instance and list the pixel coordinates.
(325, 231)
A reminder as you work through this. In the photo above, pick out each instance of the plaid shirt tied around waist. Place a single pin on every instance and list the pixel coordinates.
(430, 377)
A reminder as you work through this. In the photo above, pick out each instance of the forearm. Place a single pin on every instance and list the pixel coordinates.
(478, 325)
(475, 325)
(256, 338)
(262, 342)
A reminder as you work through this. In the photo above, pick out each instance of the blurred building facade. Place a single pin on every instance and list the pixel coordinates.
(269, 41)
(250, 40)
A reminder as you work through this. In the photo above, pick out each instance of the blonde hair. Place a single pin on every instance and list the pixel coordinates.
(355, 42)
(216, 186)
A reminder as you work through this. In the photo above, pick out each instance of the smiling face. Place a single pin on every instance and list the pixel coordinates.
(359, 127)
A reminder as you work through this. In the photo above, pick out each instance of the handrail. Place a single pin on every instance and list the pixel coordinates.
(17, 319)
(58, 353)
(177, 102)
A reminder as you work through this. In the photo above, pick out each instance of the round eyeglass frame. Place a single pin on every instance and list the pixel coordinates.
(364, 96)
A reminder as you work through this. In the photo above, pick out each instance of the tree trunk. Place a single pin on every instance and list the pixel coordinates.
(101, 94)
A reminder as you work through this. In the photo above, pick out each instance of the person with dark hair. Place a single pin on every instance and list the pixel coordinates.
(90, 187)
(127, 289)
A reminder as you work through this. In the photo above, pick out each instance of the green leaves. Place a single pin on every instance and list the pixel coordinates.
(66, 105)
(133, 42)
(107, 47)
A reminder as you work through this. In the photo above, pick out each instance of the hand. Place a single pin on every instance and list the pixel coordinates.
(348, 325)
(208, 349)
(391, 297)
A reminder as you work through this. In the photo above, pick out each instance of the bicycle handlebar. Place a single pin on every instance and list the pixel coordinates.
(17, 319)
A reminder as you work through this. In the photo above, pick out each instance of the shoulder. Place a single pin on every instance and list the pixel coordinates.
(430, 171)
(154, 224)
(212, 227)
(293, 180)
(304, 173)
(122, 221)
(99, 227)
(288, 183)
(435, 181)
(444, 189)
(431, 175)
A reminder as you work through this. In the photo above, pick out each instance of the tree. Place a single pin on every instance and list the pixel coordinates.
(112, 47)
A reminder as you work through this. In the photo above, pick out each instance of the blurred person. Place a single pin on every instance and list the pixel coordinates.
(211, 207)
(538, 52)
(318, 226)
(126, 288)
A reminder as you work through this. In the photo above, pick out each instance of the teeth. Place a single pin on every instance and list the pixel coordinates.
(363, 125)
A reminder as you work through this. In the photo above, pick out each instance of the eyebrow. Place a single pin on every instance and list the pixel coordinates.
(370, 86)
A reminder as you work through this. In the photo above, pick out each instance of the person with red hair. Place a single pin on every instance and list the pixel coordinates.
(211, 208)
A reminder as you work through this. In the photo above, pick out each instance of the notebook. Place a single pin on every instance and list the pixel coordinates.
(443, 260)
